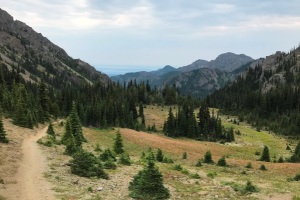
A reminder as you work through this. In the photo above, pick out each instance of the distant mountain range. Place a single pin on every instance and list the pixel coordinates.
(197, 79)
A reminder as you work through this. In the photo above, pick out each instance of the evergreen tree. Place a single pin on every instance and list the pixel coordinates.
(208, 158)
(44, 102)
(141, 109)
(71, 147)
(107, 155)
(159, 155)
(125, 159)
(265, 155)
(50, 130)
(118, 145)
(75, 126)
(67, 133)
(68, 140)
(170, 124)
(148, 183)
(3, 137)
(222, 162)
(296, 156)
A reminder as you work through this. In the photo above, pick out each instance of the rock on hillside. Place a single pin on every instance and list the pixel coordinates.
(38, 57)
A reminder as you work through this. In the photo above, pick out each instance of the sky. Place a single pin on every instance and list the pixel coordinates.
(118, 36)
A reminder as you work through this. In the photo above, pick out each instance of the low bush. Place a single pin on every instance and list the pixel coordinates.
(211, 174)
(177, 167)
(198, 164)
(222, 162)
(124, 159)
(109, 164)
(249, 165)
(195, 176)
(85, 164)
(263, 167)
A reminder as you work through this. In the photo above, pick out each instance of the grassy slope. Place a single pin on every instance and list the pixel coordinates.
(272, 183)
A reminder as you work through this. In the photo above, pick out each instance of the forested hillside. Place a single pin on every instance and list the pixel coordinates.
(267, 95)
(98, 105)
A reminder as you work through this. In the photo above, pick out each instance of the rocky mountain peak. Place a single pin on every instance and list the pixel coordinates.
(229, 61)
(38, 57)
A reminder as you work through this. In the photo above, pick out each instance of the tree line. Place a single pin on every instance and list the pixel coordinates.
(98, 105)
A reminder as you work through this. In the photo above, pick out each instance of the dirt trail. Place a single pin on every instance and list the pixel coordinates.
(31, 184)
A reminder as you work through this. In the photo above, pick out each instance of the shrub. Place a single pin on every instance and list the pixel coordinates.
(263, 167)
(167, 160)
(211, 174)
(208, 158)
(195, 176)
(85, 164)
(198, 164)
(159, 155)
(250, 187)
(244, 172)
(280, 160)
(184, 155)
(125, 159)
(109, 164)
(222, 162)
(185, 171)
(49, 142)
(297, 177)
(249, 165)
(97, 148)
(238, 132)
(177, 167)
(106, 155)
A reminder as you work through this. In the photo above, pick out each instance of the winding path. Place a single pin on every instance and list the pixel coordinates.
(31, 183)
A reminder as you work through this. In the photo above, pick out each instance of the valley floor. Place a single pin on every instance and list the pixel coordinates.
(214, 182)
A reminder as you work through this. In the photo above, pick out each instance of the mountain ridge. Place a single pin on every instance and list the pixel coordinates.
(35, 56)
(184, 76)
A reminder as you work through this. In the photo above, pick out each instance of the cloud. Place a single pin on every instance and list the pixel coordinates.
(149, 31)
(171, 17)
(70, 15)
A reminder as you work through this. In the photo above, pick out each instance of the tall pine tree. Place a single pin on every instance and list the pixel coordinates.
(75, 126)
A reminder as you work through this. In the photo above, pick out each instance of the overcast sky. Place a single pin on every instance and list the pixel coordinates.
(120, 35)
